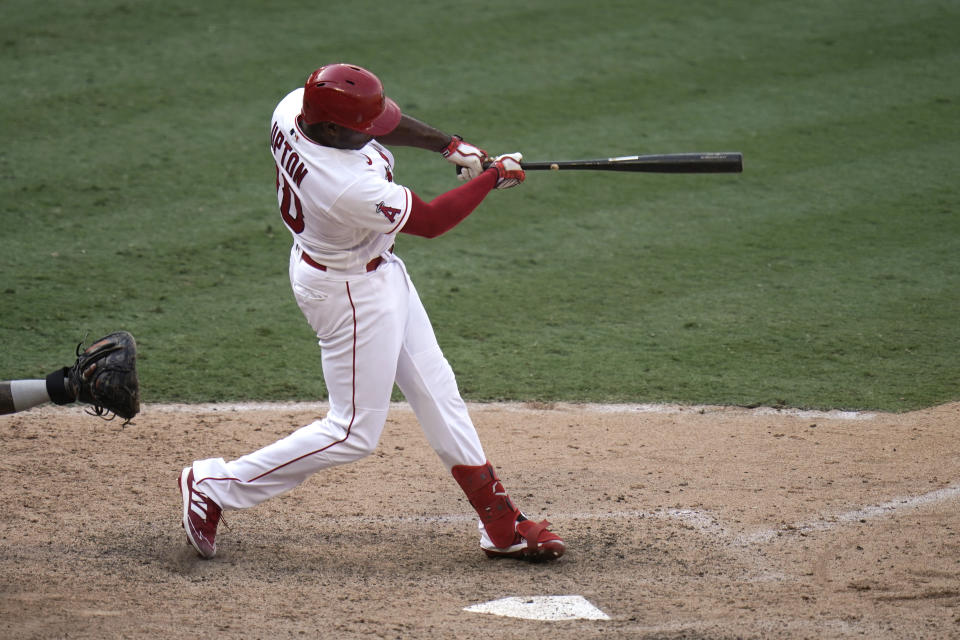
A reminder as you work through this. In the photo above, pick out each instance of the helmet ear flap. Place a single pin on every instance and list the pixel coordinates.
(351, 97)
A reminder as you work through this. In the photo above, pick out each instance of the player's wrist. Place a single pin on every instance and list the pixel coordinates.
(451, 146)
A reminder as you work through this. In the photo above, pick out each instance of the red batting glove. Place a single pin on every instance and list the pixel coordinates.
(467, 157)
(509, 170)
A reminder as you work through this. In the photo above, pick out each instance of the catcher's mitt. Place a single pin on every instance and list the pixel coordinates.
(105, 376)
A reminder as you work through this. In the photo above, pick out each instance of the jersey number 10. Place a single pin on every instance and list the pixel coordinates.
(291, 210)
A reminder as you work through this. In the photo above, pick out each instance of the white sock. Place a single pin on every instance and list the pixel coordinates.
(28, 393)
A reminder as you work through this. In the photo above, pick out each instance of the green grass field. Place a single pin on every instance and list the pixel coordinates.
(137, 192)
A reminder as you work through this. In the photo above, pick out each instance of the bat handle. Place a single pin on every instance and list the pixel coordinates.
(486, 163)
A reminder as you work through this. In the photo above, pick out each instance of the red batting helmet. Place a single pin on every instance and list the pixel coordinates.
(351, 97)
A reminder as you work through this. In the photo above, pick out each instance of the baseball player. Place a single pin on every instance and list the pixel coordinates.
(104, 376)
(337, 195)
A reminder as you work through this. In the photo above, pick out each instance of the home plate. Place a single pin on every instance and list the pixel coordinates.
(542, 608)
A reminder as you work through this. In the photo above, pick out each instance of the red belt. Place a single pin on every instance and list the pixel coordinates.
(371, 266)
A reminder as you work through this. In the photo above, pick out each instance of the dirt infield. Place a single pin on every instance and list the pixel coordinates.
(699, 522)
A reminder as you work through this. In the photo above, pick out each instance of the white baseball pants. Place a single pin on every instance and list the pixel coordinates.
(373, 332)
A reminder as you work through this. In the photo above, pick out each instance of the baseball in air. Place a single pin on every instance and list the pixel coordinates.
(554, 167)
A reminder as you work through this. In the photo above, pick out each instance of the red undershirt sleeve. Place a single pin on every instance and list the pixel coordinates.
(434, 218)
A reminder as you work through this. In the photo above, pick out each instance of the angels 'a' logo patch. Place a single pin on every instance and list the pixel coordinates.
(390, 213)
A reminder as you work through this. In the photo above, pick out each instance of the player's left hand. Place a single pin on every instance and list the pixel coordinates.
(468, 158)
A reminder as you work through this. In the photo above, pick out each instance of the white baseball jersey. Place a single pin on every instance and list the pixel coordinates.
(341, 205)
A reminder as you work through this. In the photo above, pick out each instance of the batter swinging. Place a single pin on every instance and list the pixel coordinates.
(338, 198)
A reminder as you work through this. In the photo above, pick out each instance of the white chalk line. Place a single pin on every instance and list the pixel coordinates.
(863, 514)
(706, 523)
(322, 407)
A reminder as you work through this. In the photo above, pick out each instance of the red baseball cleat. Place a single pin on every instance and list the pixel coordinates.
(533, 542)
(201, 515)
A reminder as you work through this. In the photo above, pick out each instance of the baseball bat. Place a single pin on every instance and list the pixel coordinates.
(725, 162)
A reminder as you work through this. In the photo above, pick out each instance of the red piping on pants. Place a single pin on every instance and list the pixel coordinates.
(353, 398)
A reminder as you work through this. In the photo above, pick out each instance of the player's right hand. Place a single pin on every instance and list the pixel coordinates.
(509, 170)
